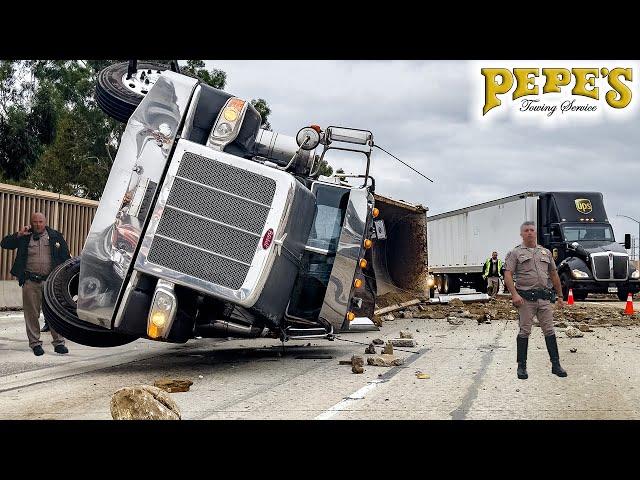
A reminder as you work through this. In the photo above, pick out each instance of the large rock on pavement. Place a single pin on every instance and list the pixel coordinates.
(573, 332)
(143, 402)
(173, 385)
(385, 361)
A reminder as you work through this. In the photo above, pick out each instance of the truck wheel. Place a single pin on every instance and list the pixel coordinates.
(60, 295)
(453, 284)
(118, 96)
(581, 296)
(622, 295)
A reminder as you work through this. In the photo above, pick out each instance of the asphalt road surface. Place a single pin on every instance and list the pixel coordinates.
(471, 369)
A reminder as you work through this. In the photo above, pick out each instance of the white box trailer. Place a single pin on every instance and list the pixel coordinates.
(572, 225)
(460, 241)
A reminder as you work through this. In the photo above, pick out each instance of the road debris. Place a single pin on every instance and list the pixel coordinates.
(370, 349)
(357, 360)
(405, 334)
(357, 369)
(385, 361)
(573, 332)
(423, 376)
(403, 342)
(378, 341)
(455, 321)
(388, 349)
(173, 385)
(573, 350)
(143, 402)
(344, 362)
(388, 318)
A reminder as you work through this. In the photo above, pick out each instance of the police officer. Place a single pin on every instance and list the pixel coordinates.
(40, 250)
(535, 271)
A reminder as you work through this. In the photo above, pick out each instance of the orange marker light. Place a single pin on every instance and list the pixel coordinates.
(363, 263)
(375, 212)
(368, 243)
(316, 128)
(357, 283)
(351, 316)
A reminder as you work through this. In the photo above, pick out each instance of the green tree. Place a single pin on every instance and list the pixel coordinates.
(196, 68)
(264, 110)
(325, 169)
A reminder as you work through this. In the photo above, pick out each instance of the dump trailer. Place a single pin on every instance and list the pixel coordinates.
(210, 226)
(572, 225)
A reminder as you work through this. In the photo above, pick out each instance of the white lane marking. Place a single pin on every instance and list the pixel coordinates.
(342, 405)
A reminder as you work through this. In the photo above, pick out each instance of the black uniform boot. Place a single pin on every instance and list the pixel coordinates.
(45, 328)
(552, 347)
(523, 344)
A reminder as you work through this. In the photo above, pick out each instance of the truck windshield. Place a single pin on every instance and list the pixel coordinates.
(332, 205)
(577, 233)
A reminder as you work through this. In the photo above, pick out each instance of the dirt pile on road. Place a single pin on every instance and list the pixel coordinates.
(586, 314)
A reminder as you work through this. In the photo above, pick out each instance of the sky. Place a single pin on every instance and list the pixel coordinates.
(429, 114)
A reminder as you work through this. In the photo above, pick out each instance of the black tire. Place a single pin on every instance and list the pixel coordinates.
(59, 308)
(622, 295)
(113, 97)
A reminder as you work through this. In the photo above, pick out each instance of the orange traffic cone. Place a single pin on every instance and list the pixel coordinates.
(628, 310)
(570, 297)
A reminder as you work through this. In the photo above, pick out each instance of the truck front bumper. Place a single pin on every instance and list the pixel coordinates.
(592, 286)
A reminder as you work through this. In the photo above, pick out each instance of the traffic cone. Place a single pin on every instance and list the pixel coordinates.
(570, 297)
(628, 310)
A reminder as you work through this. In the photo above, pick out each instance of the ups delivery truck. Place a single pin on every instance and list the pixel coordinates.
(573, 225)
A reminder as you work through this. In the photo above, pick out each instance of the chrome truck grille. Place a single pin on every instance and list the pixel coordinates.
(213, 221)
(610, 266)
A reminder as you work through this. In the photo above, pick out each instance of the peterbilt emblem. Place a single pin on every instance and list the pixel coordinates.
(583, 205)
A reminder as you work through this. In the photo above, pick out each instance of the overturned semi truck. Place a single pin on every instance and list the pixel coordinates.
(212, 227)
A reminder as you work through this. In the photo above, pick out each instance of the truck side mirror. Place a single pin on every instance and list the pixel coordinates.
(627, 241)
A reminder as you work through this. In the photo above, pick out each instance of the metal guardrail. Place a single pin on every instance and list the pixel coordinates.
(72, 216)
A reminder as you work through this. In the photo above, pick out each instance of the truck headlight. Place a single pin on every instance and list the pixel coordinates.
(163, 310)
(635, 274)
(579, 274)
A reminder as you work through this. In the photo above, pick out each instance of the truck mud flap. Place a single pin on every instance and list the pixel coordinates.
(400, 259)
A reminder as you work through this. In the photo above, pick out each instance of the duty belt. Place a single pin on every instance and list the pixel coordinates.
(35, 277)
(538, 294)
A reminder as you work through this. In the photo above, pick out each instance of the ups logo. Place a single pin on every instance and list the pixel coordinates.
(583, 205)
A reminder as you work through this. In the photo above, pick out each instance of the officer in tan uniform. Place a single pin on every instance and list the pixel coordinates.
(535, 274)
(40, 250)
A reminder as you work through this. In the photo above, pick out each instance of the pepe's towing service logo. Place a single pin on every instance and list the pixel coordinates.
(556, 91)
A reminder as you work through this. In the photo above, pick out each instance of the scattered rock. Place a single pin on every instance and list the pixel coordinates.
(405, 334)
(388, 317)
(573, 332)
(357, 360)
(344, 362)
(455, 321)
(403, 342)
(370, 349)
(173, 385)
(423, 376)
(456, 302)
(584, 328)
(573, 350)
(560, 325)
(417, 331)
(357, 369)
(385, 361)
(378, 341)
(388, 349)
(143, 402)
